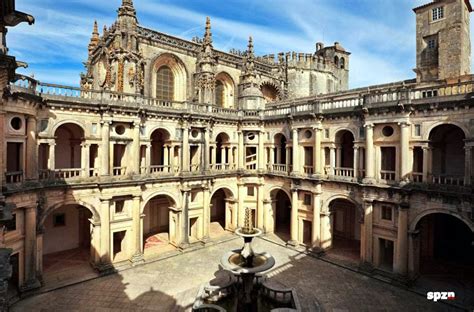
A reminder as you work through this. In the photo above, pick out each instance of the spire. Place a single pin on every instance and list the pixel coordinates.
(208, 33)
(94, 39)
(207, 51)
(249, 66)
(127, 13)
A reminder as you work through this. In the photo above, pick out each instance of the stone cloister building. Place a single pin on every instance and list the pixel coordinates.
(171, 139)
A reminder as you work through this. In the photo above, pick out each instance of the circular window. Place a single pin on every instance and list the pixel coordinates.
(16, 123)
(308, 134)
(387, 131)
(194, 133)
(251, 136)
(120, 129)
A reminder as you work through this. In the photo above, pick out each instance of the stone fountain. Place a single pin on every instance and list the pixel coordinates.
(245, 288)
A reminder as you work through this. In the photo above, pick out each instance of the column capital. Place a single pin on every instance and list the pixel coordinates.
(404, 124)
(369, 125)
(403, 206)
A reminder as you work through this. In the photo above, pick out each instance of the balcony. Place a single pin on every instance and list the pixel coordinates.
(388, 176)
(13, 177)
(278, 168)
(447, 180)
(61, 174)
(119, 171)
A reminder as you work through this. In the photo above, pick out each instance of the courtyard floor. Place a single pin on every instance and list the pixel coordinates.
(171, 285)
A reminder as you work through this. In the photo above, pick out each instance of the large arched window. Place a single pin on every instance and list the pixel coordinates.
(220, 96)
(270, 92)
(165, 84)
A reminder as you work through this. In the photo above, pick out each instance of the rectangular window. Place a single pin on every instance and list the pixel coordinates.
(59, 220)
(438, 13)
(250, 191)
(326, 133)
(387, 213)
(194, 196)
(94, 128)
(431, 44)
(362, 132)
(10, 225)
(417, 130)
(119, 205)
(307, 199)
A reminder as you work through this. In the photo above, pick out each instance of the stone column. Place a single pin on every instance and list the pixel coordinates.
(272, 155)
(332, 160)
(338, 157)
(368, 244)
(356, 161)
(52, 154)
(241, 209)
(105, 256)
(137, 231)
(323, 161)
(413, 254)
(105, 149)
(166, 160)
(316, 230)
(401, 262)
(426, 160)
(241, 151)
(369, 154)
(317, 151)
(213, 155)
(206, 211)
(185, 150)
(296, 165)
(260, 216)
(148, 158)
(288, 163)
(207, 142)
(404, 152)
(267, 207)
(326, 228)
(31, 149)
(31, 281)
(467, 165)
(185, 219)
(294, 217)
(135, 159)
(85, 155)
(278, 158)
(171, 156)
(261, 151)
(223, 156)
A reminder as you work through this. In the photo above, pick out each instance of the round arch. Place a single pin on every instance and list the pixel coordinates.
(68, 121)
(279, 188)
(227, 190)
(281, 133)
(150, 196)
(339, 130)
(271, 91)
(164, 129)
(344, 197)
(50, 209)
(226, 96)
(180, 73)
(425, 213)
(462, 127)
(224, 134)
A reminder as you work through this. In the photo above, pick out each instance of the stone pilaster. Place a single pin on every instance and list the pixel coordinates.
(401, 256)
(137, 231)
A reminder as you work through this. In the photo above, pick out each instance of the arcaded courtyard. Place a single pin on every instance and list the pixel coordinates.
(171, 285)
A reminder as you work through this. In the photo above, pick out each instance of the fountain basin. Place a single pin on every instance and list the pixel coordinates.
(233, 261)
(242, 233)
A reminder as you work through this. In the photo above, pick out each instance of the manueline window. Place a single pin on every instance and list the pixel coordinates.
(438, 13)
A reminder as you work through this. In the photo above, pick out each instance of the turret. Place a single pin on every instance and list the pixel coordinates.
(250, 96)
(205, 76)
(127, 15)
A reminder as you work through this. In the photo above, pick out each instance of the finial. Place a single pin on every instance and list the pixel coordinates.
(250, 46)
(96, 29)
(104, 29)
(208, 33)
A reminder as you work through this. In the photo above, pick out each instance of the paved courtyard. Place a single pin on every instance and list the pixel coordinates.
(171, 285)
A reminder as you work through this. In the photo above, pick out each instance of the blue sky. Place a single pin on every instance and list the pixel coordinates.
(380, 34)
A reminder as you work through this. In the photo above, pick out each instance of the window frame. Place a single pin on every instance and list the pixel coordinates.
(437, 13)
(164, 85)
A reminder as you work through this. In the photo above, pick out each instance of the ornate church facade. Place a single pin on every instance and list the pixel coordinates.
(167, 142)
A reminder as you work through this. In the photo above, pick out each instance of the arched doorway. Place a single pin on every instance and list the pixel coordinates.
(344, 153)
(281, 203)
(444, 256)
(222, 154)
(156, 225)
(221, 212)
(67, 153)
(345, 229)
(447, 158)
(279, 156)
(68, 244)
(161, 151)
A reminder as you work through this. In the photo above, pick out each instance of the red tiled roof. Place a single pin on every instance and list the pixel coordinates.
(468, 3)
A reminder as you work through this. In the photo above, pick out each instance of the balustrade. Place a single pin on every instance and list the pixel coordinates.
(387, 175)
(14, 176)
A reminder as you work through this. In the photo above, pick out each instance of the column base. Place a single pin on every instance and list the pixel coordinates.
(184, 245)
(293, 243)
(404, 182)
(318, 251)
(30, 285)
(368, 180)
(137, 259)
(105, 268)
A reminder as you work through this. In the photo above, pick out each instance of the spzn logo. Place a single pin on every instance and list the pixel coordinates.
(440, 295)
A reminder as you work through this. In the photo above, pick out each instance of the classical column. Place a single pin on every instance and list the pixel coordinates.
(267, 207)
(171, 156)
(332, 160)
(338, 157)
(426, 160)
(206, 211)
(85, 155)
(369, 154)
(467, 165)
(316, 230)
(185, 218)
(368, 245)
(105, 149)
(323, 161)
(52, 154)
(272, 155)
(413, 253)
(31, 149)
(137, 231)
(166, 161)
(260, 216)
(213, 155)
(223, 156)
(296, 165)
(317, 151)
(241, 209)
(288, 163)
(261, 150)
(185, 150)
(207, 142)
(105, 255)
(241, 150)
(135, 159)
(148, 158)
(356, 161)
(294, 217)
(401, 262)
(31, 281)
(278, 155)
(404, 152)
(231, 157)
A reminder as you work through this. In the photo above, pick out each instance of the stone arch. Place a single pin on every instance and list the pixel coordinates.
(167, 129)
(179, 71)
(223, 210)
(341, 129)
(336, 61)
(279, 188)
(461, 126)
(342, 63)
(151, 195)
(225, 135)
(345, 197)
(53, 207)
(227, 189)
(425, 213)
(227, 98)
(69, 121)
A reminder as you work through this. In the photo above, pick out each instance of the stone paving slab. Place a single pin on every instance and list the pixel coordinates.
(171, 285)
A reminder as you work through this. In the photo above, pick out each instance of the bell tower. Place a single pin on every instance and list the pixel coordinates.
(443, 44)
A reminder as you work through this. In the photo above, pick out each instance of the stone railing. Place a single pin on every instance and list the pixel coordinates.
(119, 171)
(14, 177)
(387, 175)
(444, 179)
